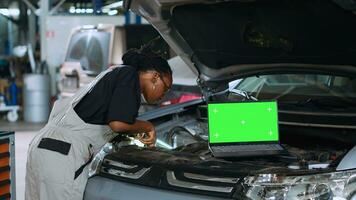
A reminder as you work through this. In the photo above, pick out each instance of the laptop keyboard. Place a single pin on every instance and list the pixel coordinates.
(249, 147)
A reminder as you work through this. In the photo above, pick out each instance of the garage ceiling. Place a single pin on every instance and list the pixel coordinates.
(67, 3)
(66, 7)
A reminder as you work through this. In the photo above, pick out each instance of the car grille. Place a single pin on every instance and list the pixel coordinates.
(123, 170)
(201, 182)
(159, 177)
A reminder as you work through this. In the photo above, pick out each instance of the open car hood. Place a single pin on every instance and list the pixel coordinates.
(222, 39)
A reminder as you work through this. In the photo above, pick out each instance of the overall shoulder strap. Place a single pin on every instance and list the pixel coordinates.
(82, 92)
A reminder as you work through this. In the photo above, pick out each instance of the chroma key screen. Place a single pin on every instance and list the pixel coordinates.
(243, 122)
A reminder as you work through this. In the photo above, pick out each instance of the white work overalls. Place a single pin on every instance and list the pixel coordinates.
(58, 156)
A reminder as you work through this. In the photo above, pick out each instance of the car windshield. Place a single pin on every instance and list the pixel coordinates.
(300, 89)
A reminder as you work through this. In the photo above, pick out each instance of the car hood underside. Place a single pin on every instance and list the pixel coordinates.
(223, 38)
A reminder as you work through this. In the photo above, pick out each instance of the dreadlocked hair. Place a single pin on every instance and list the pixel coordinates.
(145, 59)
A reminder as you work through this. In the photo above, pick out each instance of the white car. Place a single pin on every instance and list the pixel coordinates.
(93, 49)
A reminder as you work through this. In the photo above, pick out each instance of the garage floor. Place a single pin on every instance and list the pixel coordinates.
(24, 132)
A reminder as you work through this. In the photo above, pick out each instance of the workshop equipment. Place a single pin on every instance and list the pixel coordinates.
(36, 97)
(12, 111)
(7, 166)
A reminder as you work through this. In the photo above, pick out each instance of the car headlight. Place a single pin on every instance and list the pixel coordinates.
(337, 185)
(95, 164)
(108, 148)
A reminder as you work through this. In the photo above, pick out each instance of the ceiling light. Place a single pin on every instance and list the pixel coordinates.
(112, 12)
(72, 9)
(10, 12)
(114, 5)
(89, 10)
(4, 11)
(105, 10)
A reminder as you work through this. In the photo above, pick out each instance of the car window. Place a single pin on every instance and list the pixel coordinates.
(95, 55)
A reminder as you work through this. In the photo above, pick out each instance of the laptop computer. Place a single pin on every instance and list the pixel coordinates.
(238, 129)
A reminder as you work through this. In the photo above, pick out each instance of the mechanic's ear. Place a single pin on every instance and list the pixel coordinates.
(155, 77)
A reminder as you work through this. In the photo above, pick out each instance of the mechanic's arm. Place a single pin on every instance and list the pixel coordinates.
(137, 127)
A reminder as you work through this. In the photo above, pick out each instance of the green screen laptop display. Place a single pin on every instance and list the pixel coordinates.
(243, 122)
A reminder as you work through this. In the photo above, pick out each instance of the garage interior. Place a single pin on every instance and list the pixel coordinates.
(301, 85)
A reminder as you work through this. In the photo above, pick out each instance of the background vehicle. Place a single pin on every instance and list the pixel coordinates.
(93, 49)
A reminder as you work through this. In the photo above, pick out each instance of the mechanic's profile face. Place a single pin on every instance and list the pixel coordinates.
(155, 85)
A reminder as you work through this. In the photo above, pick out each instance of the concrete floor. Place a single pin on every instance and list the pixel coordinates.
(24, 132)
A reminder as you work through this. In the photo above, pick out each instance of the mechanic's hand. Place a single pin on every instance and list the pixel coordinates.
(149, 138)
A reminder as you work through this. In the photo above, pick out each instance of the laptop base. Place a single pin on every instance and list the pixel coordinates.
(247, 153)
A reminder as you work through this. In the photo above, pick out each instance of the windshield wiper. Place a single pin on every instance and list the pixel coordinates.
(243, 94)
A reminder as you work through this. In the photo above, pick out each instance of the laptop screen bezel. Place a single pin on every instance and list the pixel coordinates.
(243, 143)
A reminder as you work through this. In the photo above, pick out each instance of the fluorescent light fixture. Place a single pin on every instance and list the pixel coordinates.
(4, 11)
(12, 12)
(72, 10)
(89, 10)
(105, 10)
(112, 12)
(114, 5)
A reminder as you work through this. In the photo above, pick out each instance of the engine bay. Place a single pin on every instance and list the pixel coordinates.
(182, 161)
(308, 149)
